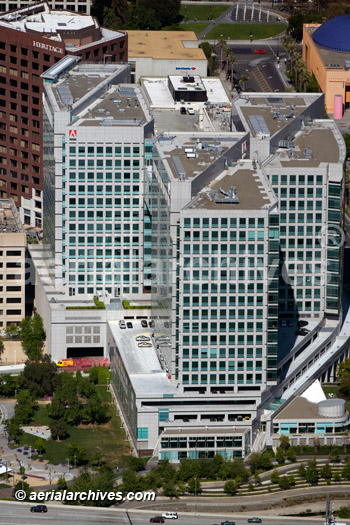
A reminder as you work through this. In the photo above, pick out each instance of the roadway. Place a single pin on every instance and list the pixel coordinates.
(19, 514)
(260, 68)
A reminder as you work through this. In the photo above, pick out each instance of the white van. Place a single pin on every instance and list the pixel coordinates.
(170, 515)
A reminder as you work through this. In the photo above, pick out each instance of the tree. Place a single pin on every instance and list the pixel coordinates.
(346, 470)
(222, 44)
(326, 473)
(233, 60)
(274, 476)
(230, 488)
(284, 482)
(343, 373)
(170, 490)
(130, 481)
(333, 455)
(291, 454)
(284, 442)
(12, 330)
(311, 472)
(32, 336)
(39, 378)
(189, 468)
(194, 486)
(302, 470)
(243, 79)
(61, 484)
(280, 455)
(13, 429)
(209, 52)
(40, 446)
(25, 407)
(95, 411)
(59, 429)
(22, 485)
(2, 347)
(8, 385)
(76, 454)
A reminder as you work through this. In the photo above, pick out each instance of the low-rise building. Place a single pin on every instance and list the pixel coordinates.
(12, 265)
(163, 53)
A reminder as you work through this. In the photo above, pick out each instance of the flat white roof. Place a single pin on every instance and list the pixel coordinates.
(182, 83)
(160, 96)
(215, 91)
(142, 363)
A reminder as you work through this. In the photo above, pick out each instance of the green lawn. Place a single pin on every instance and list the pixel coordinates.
(108, 438)
(202, 12)
(197, 27)
(242, 31)
(333, 389)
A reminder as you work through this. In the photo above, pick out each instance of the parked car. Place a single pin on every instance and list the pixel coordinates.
(183, 110)
(129, 324)
(122, 324)
(260, 51)
(170, 515)
(151, 324)
(302, 331)
(255, 520)
(144, 323)
(283, 323)
(157, 519)
(38, 508)
(290, 323)
(238, 89)
(300, 324)
(227, 523)
(190, 111)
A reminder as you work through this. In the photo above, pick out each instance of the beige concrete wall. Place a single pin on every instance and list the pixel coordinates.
(12, 242)
(331, 81)
(13, 353)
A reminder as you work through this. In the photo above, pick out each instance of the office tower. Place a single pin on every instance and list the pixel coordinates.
(33, 39)
(12, 265)
(96, 127)
(79, 6)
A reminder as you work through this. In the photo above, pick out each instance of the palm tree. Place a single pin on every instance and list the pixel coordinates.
(243, 80)
(222, 44)
(304, 78)
(233, 60)
(227, 53)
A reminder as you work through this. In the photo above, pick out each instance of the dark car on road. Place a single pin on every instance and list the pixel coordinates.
(38, 508)
(255, 520)
(227, 523)
(157, 519)
(302, 331)
(129, 324)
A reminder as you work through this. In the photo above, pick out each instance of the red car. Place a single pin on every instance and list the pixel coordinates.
(260, 51)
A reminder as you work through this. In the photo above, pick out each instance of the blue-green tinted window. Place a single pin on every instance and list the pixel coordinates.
(142, 433)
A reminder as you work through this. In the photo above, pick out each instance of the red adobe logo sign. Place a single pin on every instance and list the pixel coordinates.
(72, 133)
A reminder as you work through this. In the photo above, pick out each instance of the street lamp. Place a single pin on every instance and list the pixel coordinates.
(195, 496)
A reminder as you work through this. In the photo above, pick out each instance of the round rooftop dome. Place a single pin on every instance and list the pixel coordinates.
(334, 34)
(331, 408)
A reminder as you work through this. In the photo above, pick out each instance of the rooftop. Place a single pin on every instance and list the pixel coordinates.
(316, 144)
(57, 25)
(187, 155)
(142, 364)
(10, 221)
(107, 105)
(251, 190)
(268, 114)
(332, 58)
(120, 106)
(164, 45)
